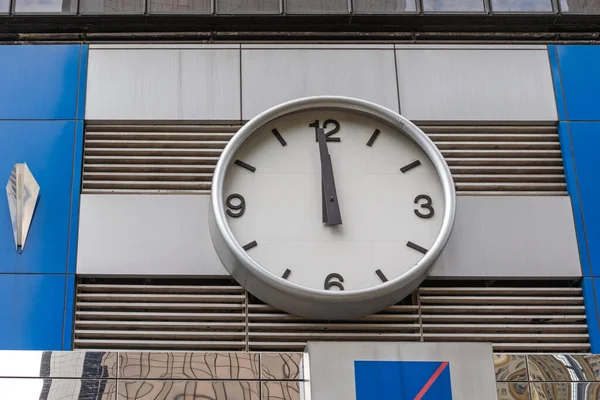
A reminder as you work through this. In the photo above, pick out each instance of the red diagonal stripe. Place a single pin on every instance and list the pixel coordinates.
(435, 375)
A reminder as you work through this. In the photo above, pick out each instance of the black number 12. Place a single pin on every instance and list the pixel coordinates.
(336, 129)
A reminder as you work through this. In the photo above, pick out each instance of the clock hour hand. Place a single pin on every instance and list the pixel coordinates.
(331, 207)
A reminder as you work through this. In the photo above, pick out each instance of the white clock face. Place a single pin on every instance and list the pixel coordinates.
(388, 193)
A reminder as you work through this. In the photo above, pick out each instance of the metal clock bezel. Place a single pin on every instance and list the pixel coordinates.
(309, 302)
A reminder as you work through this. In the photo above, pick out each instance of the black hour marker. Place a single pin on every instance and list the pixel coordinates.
(286, 274)
(416, 247)
(279, 137)
(381, 275)
(244, 165)
(410, 166)
(373, 137)
(250, 245)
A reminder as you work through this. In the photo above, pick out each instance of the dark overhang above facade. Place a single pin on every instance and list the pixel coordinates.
(402, 28)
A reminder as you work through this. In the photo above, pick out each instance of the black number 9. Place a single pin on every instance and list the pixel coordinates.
(329, 284)
(240, 208)
(427, 206)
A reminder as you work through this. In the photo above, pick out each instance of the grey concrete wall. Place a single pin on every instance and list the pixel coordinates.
(494, 237)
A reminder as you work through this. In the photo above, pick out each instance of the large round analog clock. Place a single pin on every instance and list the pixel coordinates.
(330, 207)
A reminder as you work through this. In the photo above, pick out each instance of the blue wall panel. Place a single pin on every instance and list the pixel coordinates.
(32, 311)
(558, 91)
(83, 65)
(592, 312)
(47, 148)
(580, 80)
(69, 311)
(39, 82)
(585, 141)
(573, 190)
(402, 380)
(577, 88)
(42, 102)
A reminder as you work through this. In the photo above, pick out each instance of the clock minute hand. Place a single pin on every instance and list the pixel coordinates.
(331, 207)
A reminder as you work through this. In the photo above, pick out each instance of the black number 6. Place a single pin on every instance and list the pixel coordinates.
(427, 206)
(329, 284)
(240, 208)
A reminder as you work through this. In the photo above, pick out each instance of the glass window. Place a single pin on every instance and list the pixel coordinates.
(112, 6)
(580, 6)
(4, 5)
(453, 6)
(45, 6)
(247, 6)
(383, 6)
(180, 6)
(316, 6)
(522, 5)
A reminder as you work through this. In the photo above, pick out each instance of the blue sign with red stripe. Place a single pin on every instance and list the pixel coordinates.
(402, 380)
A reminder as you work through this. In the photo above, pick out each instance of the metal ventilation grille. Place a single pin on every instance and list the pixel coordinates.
(160, 317)
(223, 317)
(152, 158)
(494, 160)
(513, 319)
(502, 160)
(272, 329)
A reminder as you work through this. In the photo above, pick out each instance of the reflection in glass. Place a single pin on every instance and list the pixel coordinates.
(453, 5)
(282, 366)
(184, 390)
(179, 6)
(383, 6)
(512, 390)
(247, 6)
(182, 365)
(522, 5)
(45, 6)
(565, 390)
(57, 389)
(4, 4)
(580, 6)
(112, 6)
(510, 367)
(316, 6)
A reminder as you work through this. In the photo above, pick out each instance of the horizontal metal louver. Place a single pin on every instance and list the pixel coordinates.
(152, 158)
(127, 316)
(272, 329)
(502, 160)
(494, 160)
(512, 318)
(223, 317)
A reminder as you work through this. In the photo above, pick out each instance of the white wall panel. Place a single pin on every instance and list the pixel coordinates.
(509, 236)
(272, 76)
(475, 84)
(493, 237)
(161, 83)
(146, 235)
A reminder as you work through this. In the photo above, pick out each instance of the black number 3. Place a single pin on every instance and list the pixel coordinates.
(329, 284)
(427, 206)
(240, 208)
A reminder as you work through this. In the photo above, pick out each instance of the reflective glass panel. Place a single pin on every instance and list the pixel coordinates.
(4, 4)
(179, 6)
(247, 6)
(112, 6)
(580, 6)
(316, 6)
(522, 5)
(383, 6)
(453, 5)
(45, 6)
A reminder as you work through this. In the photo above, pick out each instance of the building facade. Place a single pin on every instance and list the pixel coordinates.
(121, 120)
